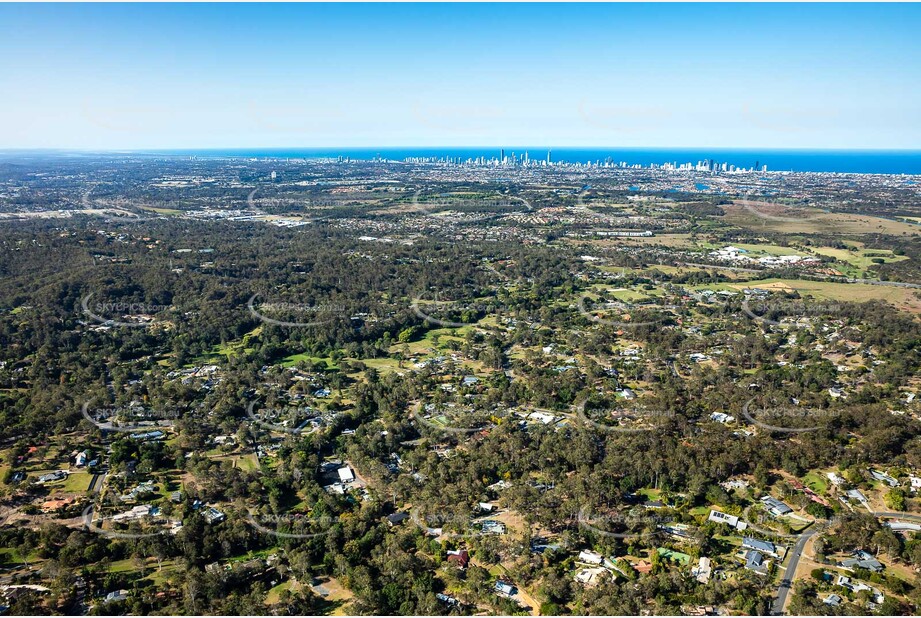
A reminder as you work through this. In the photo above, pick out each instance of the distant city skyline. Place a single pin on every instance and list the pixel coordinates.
(695, 76)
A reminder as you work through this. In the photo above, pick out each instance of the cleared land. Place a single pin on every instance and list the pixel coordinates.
(800, 220)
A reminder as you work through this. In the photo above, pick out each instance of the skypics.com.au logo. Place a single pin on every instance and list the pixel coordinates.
(772, 208)
(461, 308)
(285, 419)
(450, 419)
(623, 314)
(121, 313)
(788, 419)
(628, 419)
(131, 418)
(789, 313)
(468, 207)
(292, 525)
(294, 315)
(630, 526)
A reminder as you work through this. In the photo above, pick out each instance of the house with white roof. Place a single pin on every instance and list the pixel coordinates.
(346, 475)
(730, 520)
(590, 557)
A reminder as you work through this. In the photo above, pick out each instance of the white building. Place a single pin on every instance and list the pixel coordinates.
(730, 520)
(346, 475)
(590, 557)
(703, 570)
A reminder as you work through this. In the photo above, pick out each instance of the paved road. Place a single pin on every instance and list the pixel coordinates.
(796, 553)
(892, 515)
(96, 482)
(787, 582)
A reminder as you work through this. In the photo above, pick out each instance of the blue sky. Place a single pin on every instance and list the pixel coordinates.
(649, 75)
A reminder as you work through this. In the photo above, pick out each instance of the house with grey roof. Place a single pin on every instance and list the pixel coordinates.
(775, 507)
(765, 547)
(885, 478)
(833, 600)
(754, 561)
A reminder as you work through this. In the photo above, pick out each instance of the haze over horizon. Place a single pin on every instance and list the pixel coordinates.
(132, 77)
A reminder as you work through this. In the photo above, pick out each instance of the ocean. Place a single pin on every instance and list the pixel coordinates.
(844, 161)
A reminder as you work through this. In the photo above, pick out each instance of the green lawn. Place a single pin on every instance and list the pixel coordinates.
(229, 349)
(903, 298)
(294, 359)
(858, 257)
(274, 594)
(673, 555)
(248, 463)
(76, 482)
(386, 365)
(816, 482)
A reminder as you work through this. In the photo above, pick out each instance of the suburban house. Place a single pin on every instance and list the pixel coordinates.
(458, 557)
(53, 505)
(754, 561)
(643, 566)
(885, 478)
(214, 516)
(115, 596)
(915, 482)
(856, 494)
(903, 526)
(397, 518)
(593, 576)
(346, 475)
(862, 560)
(703, 570)
(833, 600)
(775, 507)
(491, 526)
(730, 520)
(52, 477)
(855, 587)
(447, 600)
(505, 588)
(590, 557)
(148, 435)
(765, 547)
(142, 489)
(852, 564)
(138, 512)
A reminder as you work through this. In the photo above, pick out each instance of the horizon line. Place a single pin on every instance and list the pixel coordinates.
(446, 147)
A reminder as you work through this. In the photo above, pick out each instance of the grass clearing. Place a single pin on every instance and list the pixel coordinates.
(76, 482)
(294, 359)
(808, 221)
(860, 259)
(816, 482)
(906, 299)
